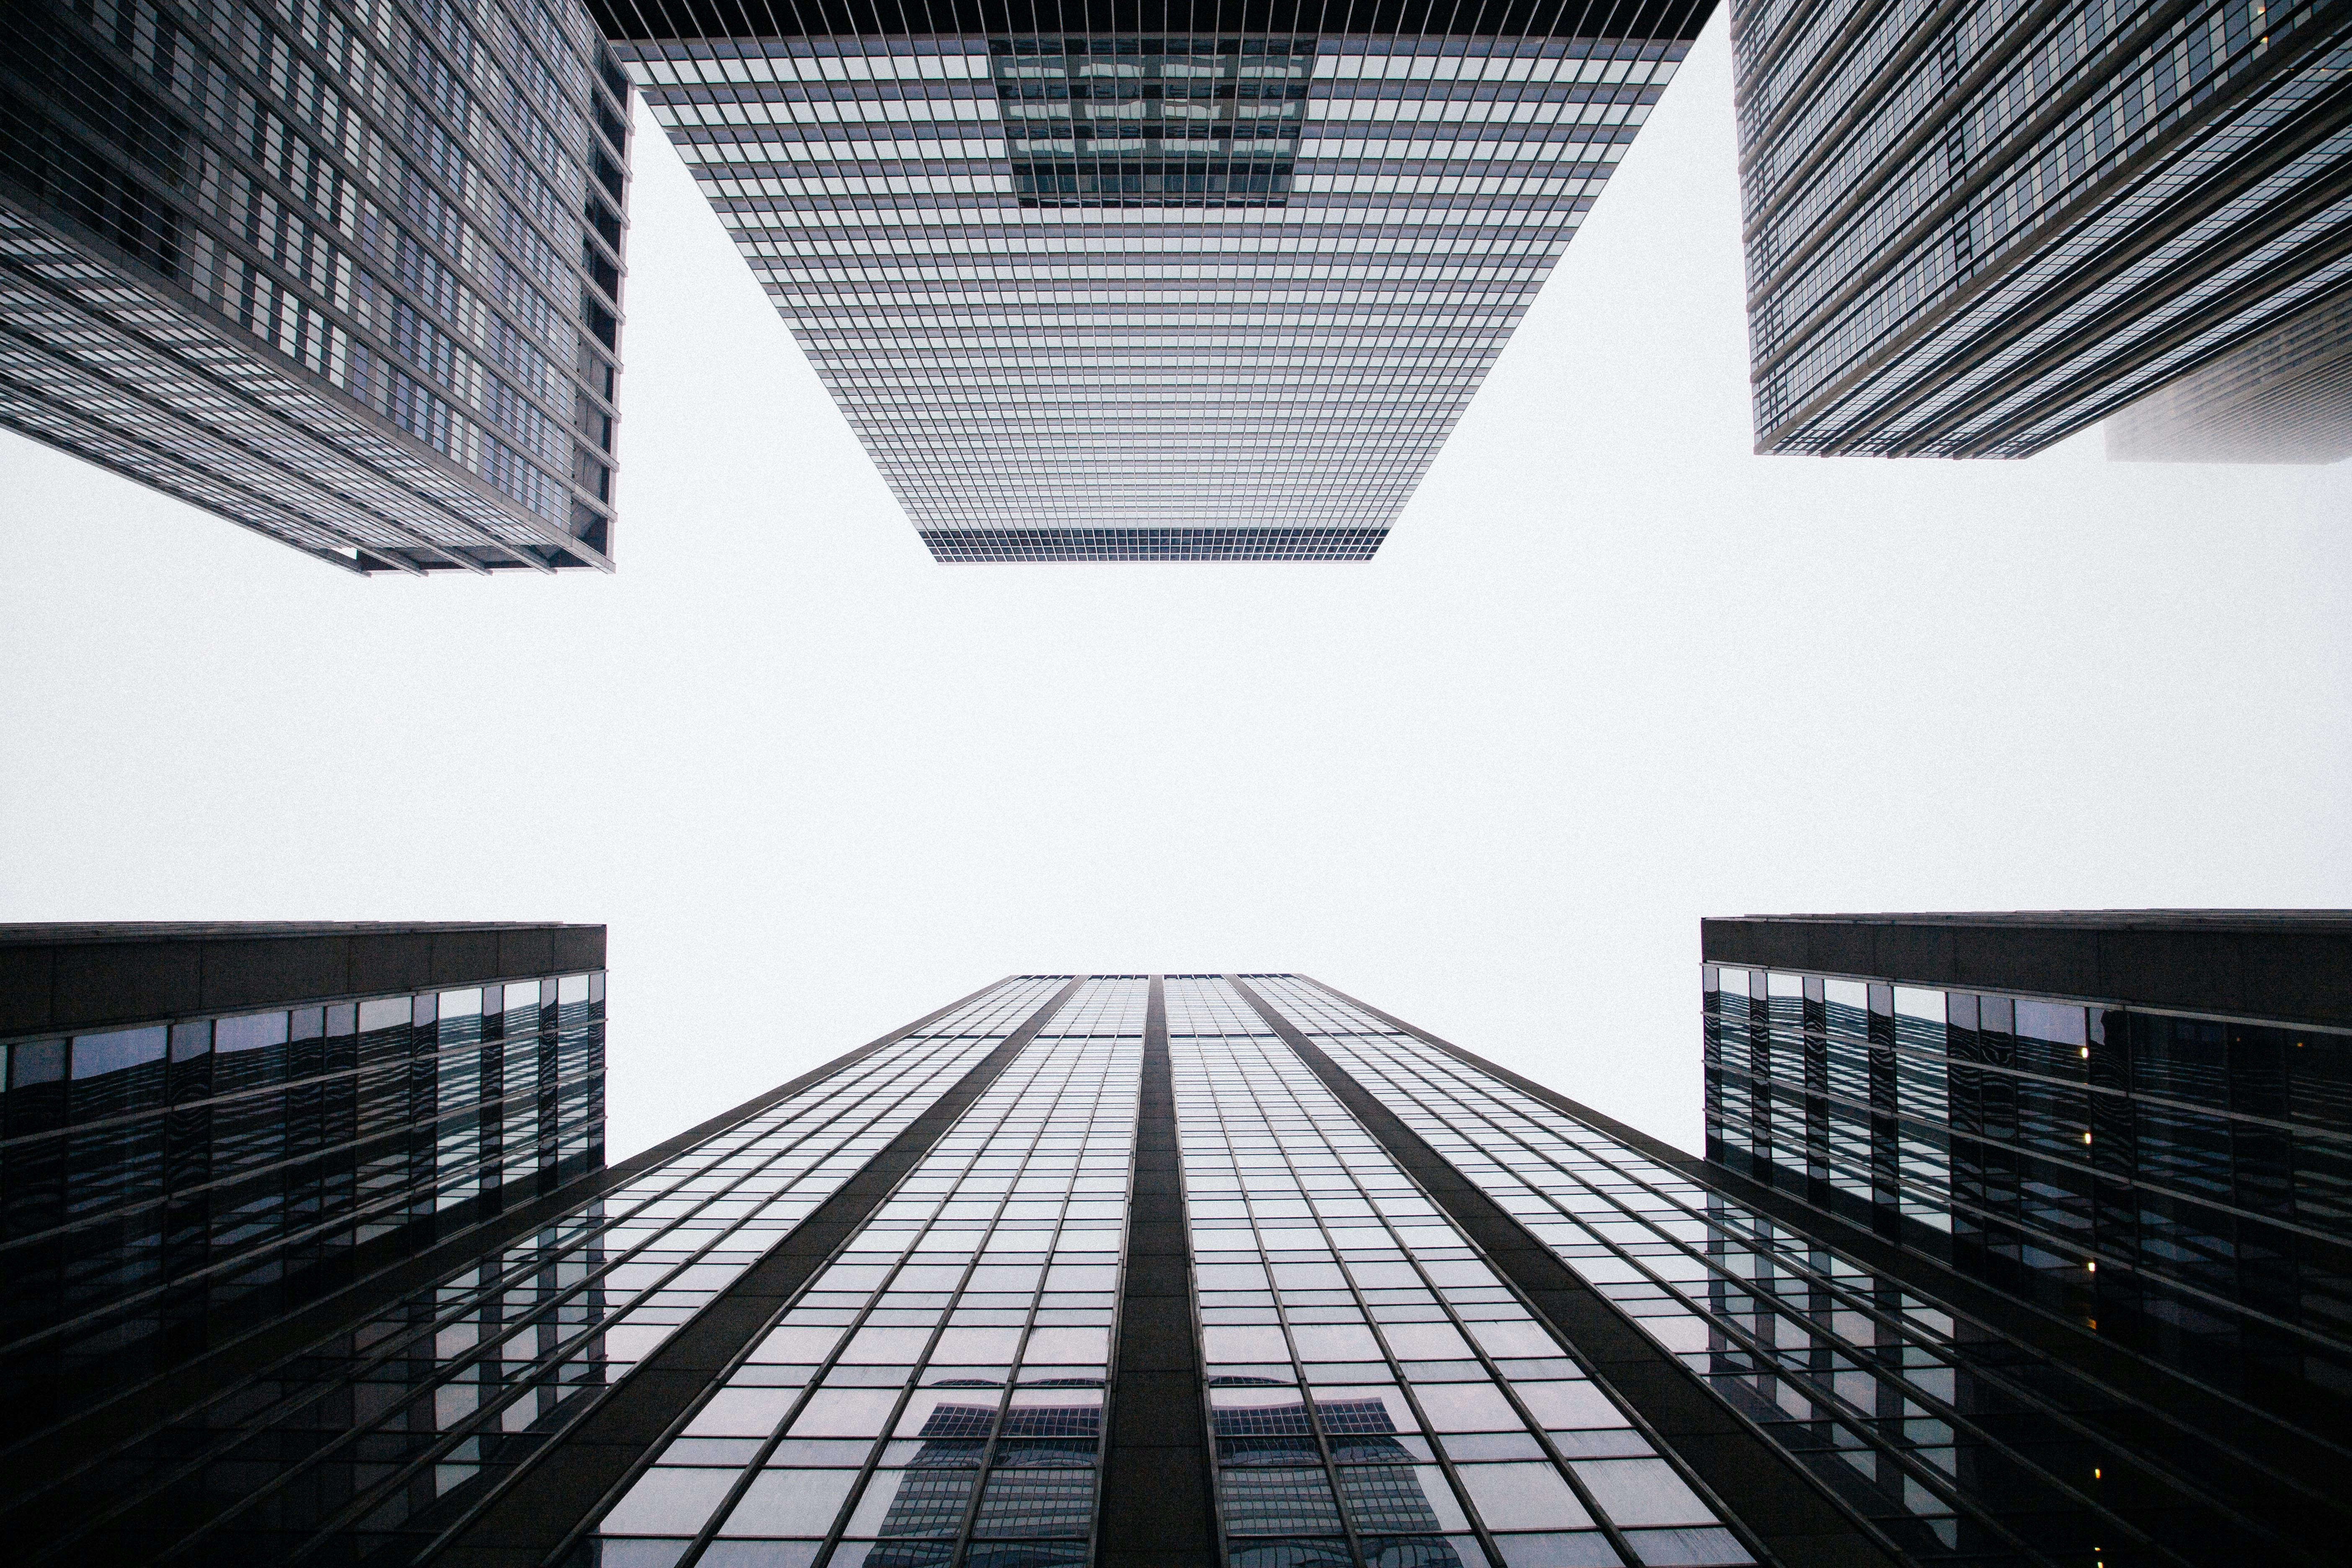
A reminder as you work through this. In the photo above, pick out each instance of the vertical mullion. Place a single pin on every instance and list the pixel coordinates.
(1158, 1507)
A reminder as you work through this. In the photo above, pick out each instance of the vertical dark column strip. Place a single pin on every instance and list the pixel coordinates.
(544, 1505)
(1781, 1505)
(1156, 1508)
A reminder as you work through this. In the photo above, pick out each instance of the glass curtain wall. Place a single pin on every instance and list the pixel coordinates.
(348, 274)
(936, 1394)
(158, 1177)
(1377, 1395)
(1972, 229)
(353, 1446)
(2179, 1182)
(1267, 272)
(1954, 1440)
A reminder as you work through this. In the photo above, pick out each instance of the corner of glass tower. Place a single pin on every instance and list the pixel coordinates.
(1147, 282)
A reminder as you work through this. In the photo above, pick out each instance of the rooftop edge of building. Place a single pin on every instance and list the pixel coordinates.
(650, 19)
(2287, 965)
(62, 977)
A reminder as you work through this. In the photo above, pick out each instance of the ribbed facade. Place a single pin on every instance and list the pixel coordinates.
(1156, 282)
(345, 273)
(1973, 229)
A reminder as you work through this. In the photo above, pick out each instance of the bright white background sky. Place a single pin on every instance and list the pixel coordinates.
(1610, 674)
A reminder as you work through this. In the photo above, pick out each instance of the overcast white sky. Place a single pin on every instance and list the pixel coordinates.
(1611, 673)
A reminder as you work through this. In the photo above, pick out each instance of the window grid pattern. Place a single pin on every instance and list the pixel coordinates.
(1274, 357)
(2183, 1184)
(346, 271)
(154, 1177)
(1933, 225)
(1953, 1440)
(935, 1396)
(353, 1446)
(1377, 1395)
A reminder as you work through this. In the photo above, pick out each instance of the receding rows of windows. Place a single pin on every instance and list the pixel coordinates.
(1064, 192)
(297, 465)
(1898, 294)
(2291, 260)
(2184, 1182)
(154, 1177)
(832, 60)
(244, 276)
(263, 210)
(1376, 1394)
(1950, 1439)
(385, 1433)
(2037, 177)
(748, 199)
(939, 1388)
(968, 543)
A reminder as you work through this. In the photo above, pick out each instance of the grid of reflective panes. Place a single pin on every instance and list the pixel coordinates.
(381, 1437)
(1377, 1395)
(347, 272)
(156, 1177)
(936, 1394)
(1952, 1439)
(2181, 1183)
(1266, 272)
(1975, 228)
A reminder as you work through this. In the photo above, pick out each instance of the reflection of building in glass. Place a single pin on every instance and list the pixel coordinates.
(208, 1125)
(351, 278)
(1263, 1490)
(1139, 1269)
(1151, 286)
(1041, 1479)
(2284, 397)
(1975, 228)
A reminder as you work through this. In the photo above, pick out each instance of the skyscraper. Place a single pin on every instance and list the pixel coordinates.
(1151, 281)
(2141, 1122)
(1975, 229)
(207, 1127)
(1158, 1270)
(346, 274)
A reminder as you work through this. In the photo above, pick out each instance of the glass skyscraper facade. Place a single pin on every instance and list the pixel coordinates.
(2142, 1123)
(206, 1126)
(1152, 282)
(344, 271)
(1974, 229)
(1158, 1270)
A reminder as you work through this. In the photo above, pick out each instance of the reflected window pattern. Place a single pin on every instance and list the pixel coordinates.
(161, 1181)
(1267, 272)
(1107, 121)
(1377, 1395)
(936, 1394)
(1951, 1439)
(383, 1435)
(2181, 1183)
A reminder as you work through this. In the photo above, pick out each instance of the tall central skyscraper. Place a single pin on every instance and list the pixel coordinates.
(1163, 1272)
(1157, 281)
